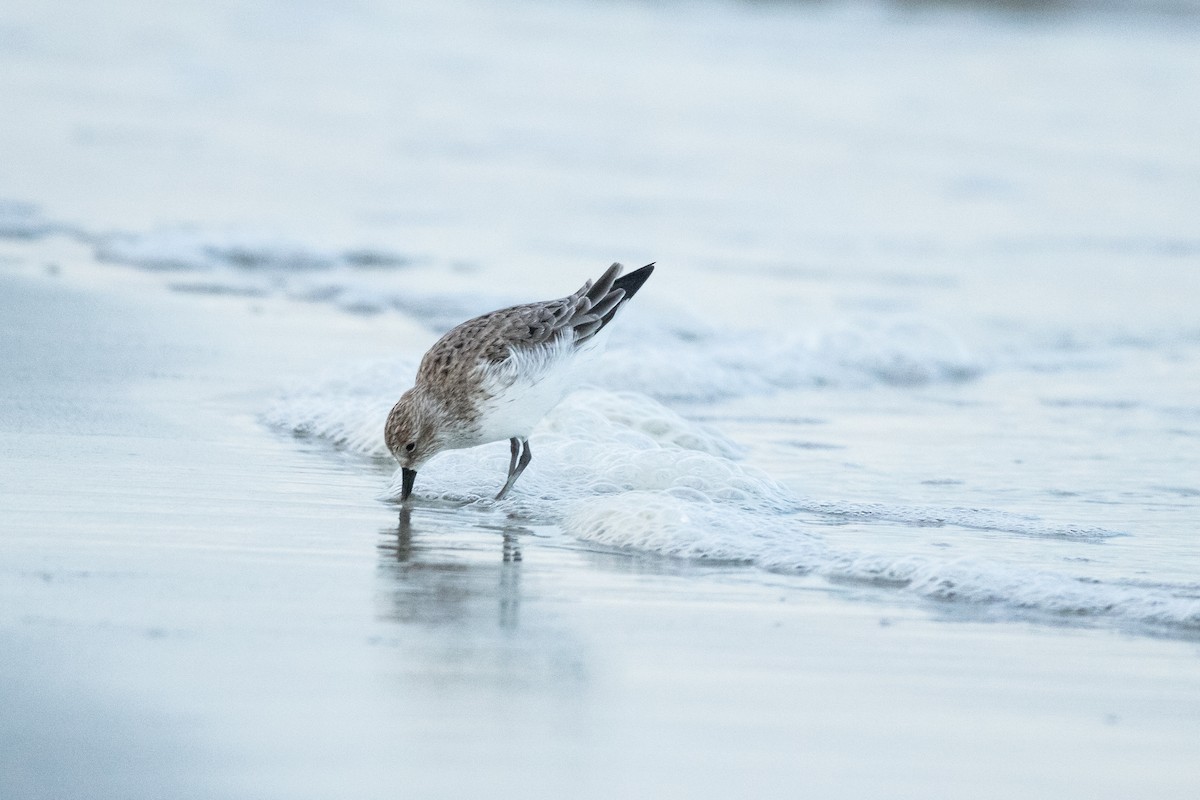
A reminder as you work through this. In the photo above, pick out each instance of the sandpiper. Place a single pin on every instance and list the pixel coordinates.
(494, 377)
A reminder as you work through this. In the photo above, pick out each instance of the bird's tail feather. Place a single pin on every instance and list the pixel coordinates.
(629, 284)
(634, 280)
(599, 301)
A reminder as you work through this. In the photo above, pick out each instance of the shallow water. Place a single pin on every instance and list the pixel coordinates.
(922, 336)
(927, 286)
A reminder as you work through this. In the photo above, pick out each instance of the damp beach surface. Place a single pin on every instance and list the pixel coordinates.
(886, 486)
(197, 607)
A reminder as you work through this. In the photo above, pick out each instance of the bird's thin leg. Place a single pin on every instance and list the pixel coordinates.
(515, 446)
(517, 466)
(526, 457)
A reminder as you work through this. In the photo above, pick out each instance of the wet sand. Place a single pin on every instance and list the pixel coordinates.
(192, 606)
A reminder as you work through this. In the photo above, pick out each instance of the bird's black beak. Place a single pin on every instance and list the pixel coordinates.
(408, 476)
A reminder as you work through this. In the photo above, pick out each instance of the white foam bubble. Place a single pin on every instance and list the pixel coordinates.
(347, 409)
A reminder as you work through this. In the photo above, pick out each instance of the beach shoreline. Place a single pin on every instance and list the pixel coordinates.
(885, 486)
(246, 605)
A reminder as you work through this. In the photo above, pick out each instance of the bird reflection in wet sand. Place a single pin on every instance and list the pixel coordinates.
(445, 580)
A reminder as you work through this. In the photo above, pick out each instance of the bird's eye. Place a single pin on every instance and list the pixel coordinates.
(410, 447)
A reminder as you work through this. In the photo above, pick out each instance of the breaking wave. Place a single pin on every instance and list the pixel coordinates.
(621, 470)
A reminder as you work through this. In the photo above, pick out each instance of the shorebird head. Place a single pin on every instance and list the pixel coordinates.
(412, 435)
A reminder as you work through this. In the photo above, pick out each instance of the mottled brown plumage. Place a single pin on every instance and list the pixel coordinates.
(469, 370)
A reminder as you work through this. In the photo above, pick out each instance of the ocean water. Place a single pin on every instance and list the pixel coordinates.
(925, 313)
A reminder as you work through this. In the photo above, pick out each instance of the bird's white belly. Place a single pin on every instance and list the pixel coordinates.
(526, 386)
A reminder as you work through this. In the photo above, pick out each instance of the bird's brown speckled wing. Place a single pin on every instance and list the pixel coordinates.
(450, 366)
(491, 338)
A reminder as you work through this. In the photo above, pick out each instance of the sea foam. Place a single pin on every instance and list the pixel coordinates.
(691, 361)
(681, 357)
(621, 470)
